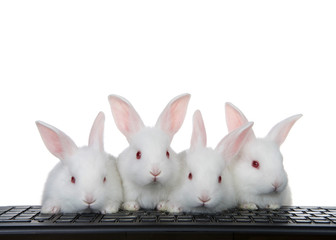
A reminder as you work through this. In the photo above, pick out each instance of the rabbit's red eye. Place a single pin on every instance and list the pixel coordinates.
(190, 176)
(167, 154)
(255, 164)
(219, 179)
(104, 180)
(73, 180)
(138, 155)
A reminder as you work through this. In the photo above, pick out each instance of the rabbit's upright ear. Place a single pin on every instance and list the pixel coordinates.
(57, 142)
(199, 137)
(280, 131)
(96, 139)
(231, 144)
(234, 117)
(173, 115)
(126, 118)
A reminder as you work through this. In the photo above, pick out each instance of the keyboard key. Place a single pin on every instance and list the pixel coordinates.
(303, 221)
(280, 220)
(148, 219)
(156, 213)
(298, 218)
(71, 215)
(4, 209)
(203, 219)
(23, 218)
(299, 209)
(128, 219)
(82, 220)
(303, 215)
(321, 215)
(286, 215)
(296, 212)
(119, 214)
(86, 218)
(166, 219)
(261, 220)
(26, 215)
(7, 214)
(317, 218)
(15, 221)
(224, 219)
(108, 220)
(184, 219)
(42, 218)
(64, 220)
(243, 220)
(322, 221)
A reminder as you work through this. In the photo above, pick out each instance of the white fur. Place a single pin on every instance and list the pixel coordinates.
(89, 165)
(141, 188)
(255, 186)
(206, 166)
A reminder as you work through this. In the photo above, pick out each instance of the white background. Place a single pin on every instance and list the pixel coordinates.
(59, 60)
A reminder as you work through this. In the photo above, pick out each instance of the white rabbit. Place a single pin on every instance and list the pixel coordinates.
(86, 178)
(149, 168)
(206, 184)
(259, 175)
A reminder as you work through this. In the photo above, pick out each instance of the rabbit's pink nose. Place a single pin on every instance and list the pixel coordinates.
(89, 200)
(204, 199)
(275, 185)
(155, 173)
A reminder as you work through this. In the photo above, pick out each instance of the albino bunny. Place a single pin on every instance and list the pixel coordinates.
(86, 179)
(206, 184)
(259, 175)
(149, 168)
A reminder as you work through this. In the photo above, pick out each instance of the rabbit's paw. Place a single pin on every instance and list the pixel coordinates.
(172, 208)
(131, 206)
(111, 208)
(162, 206)
(248, 206)
(52, 209)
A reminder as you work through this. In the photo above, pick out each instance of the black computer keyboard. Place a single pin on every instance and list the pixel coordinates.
(287, 221)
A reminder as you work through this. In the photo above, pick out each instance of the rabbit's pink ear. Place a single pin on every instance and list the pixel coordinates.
(126, 118)
(280, 131)
(57, 142)
(231, 144)
(198, 137)
(173, 115)
(234, 117)
(96, 139)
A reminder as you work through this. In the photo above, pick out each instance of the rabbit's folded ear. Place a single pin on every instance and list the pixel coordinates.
(57, 142)
(126, 118)
(199, 137)
(96, 139)
(231, 144)
(173, 115)
(280, 131)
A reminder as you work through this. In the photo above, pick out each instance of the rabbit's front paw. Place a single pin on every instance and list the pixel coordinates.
(248, 206)
(50, 209)
(111, 208)
(131, 206)
(162, 206)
